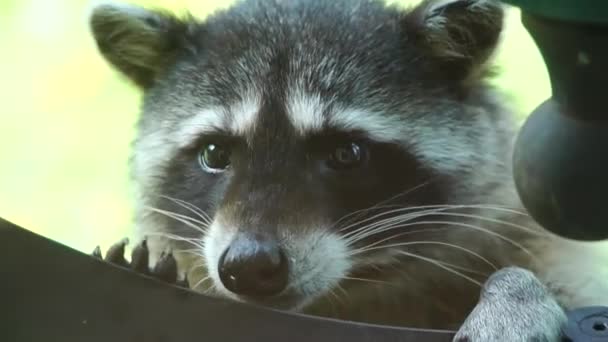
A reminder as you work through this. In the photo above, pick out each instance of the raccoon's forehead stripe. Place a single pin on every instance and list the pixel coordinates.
(380, 126)
(305, 112)
(238, 119)
(309, 114)
(205, 121)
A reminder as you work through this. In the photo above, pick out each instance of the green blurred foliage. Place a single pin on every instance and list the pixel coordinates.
(67, 119)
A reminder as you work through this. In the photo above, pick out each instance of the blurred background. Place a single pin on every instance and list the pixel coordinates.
(67, 119)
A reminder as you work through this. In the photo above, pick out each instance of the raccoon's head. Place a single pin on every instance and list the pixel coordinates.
(287, 143)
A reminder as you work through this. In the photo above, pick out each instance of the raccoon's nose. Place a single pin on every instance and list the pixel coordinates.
(253, 267)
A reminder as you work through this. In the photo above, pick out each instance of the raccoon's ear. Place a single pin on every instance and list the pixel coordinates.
(459, 36)
(139, 42)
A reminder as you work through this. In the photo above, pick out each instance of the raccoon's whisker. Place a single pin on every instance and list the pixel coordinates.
(441, 265)
(416, 210)
(368, 280)
(436, 207)
(175, 237)
(191, 207)
(335, 295)
(444, 265)
(382, 227)
(188, 221)
(200, 212)
(185, 230)
(360, 211)
(174, 214)
(387, 224)
(209, 290)
(341, 289)
(407, 191)
(381, 203)
(195, 242)
(488, 219)
(409, 232)
(459, 224)
(392, 207)
(200, 228)
(356, 233)
(465, 269)
(196, 267)
(200, 282)
(328, 297)
(194, 251)
(404, 244)
(364, 230)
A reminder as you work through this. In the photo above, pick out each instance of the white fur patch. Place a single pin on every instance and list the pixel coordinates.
(307, 114)
(244, 115)
(305, 111)
(216, 241)
(379, 126)
(238, 119)
(207, 120)
(319, 260)
(579, 267)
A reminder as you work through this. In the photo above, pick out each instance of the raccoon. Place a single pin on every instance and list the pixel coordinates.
(345, 159)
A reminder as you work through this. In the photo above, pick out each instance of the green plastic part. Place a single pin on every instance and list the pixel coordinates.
(582, 11)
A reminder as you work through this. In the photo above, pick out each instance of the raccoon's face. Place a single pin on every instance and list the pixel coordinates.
(286, 144)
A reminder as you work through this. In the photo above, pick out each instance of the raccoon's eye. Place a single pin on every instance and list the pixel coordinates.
(214, 158)
(346, 156)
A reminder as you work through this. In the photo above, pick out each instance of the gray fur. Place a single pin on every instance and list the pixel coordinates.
(278, 74)
(514, 306)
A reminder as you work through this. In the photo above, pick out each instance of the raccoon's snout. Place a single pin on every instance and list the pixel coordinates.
(254, 267)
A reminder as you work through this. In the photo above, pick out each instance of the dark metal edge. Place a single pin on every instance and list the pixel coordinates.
(50, 292)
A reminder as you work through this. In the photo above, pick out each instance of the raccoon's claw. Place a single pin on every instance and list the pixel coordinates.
(165, 269)
(140, 257)
(116, 254)
(97, 253)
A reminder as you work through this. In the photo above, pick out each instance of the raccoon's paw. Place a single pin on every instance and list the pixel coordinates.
(165, 269)
(514, 306)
